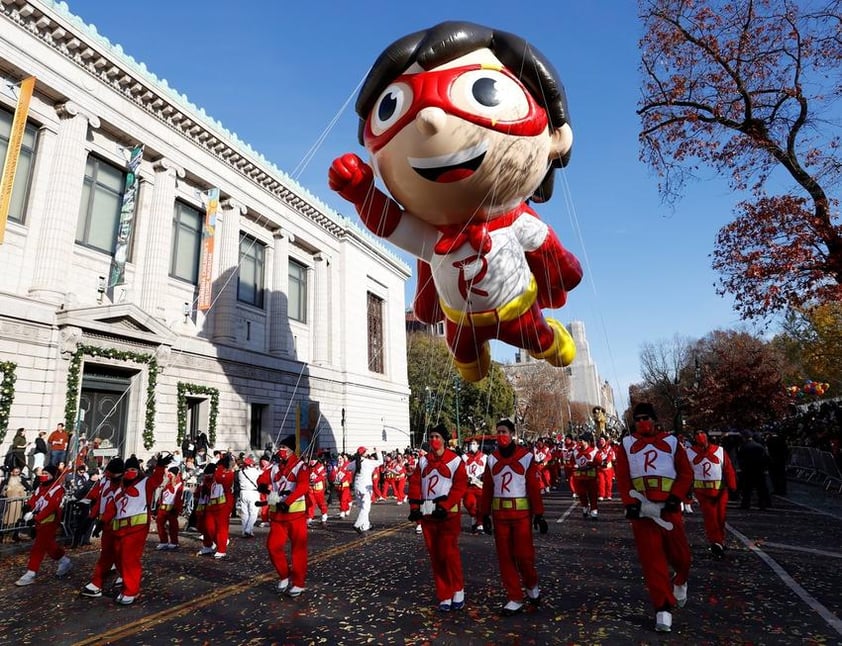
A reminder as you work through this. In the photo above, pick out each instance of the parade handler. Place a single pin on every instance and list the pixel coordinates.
(653, 475)
(511, 494)
(713, 478)
(286, 484)
(436, 489)
(464, 125)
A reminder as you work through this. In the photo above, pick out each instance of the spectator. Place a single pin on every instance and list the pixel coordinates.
(754, 460)
(14, 492)
(57, 443)
(19, 445)
(39, 453)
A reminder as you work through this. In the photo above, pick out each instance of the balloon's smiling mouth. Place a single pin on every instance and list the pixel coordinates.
(451, 167)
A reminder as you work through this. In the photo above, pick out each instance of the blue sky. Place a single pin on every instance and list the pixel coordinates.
(278, 74)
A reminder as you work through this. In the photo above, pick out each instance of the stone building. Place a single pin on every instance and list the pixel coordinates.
(295, 319)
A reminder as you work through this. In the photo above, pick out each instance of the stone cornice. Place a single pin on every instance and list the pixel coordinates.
(53, 24)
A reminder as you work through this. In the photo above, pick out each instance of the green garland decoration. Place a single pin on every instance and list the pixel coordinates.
(195, 389)
(7, 394)
(74, 375)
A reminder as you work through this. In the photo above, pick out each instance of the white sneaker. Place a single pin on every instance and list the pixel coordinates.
(663, 621)
(480, 529)
(283, 584)
(295, 591)
(162, 546)
(534, 595)
(125, 600)
(90, 590)
(172, 546)
(118, 581)
(309, 522)
(64, 566)
(220, 555)
(27, 579)
(594, 513)
(206, 551)
(586, 511)
(418, 529)
(680, 593)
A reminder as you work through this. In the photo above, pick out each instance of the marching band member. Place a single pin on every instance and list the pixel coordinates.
(316, 492)
(475, 461)
(342, 480)
(101, 495)
(713, 478)
(169, 509)
(584, 476)
(604, 468)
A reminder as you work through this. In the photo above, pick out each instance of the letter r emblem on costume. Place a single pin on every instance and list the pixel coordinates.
(649, 459)
(506, 481)
(432, 483)
(706, 469)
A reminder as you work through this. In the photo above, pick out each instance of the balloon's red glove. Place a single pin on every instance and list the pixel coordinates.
(353, 179)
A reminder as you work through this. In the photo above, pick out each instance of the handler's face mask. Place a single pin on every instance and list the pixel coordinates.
(436, 443)
(504, 439)
(644, 425)
(130, 475)
(473, 447)
(44, 478)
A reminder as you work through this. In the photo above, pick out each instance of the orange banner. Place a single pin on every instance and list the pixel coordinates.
(206, 264)
(7, 180)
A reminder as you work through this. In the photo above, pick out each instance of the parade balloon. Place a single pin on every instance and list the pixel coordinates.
(465, 125)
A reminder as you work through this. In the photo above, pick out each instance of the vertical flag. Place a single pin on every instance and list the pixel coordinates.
(7, 180)
(206, 263)
(117, 275)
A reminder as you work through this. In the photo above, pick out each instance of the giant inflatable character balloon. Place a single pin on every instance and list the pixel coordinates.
(464, 126)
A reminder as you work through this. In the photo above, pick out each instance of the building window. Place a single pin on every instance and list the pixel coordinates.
(297, 296)
(99, 212)
(23, 174)
(186, 243)
(375, 333)
(252, 263)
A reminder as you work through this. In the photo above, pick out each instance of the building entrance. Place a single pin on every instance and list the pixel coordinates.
(104, 403)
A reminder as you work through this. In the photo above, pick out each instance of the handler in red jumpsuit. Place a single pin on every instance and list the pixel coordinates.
(436, 489)
(475, 467)
(584, 476)
(44, 508)
(653, 476)
(286, 484)
(316, 493)
(101, 494)
(128, 513)
(218, 510)
(511, 493)
(713, 478)
(169, 509)
(342, 480)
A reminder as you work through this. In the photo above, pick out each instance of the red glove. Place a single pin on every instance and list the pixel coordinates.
(351, 177)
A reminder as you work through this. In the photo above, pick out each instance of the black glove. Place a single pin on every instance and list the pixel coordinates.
(672, 504)
(633, 511)
(415, 515)
(486, 525)
(439, 513)
(283, 507)
(97, 528)
(166, 460)
(261, 503)
(440, 499)
(263, 488)
(540, 524)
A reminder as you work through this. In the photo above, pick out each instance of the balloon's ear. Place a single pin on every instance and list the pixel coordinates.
(561, 142)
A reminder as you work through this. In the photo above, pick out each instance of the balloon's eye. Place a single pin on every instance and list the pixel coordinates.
(391, 106)
(491, 94)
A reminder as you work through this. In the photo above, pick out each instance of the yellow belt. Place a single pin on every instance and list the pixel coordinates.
(318, 486)
(511, 311)
(131, 521)
(652, 483)
(585, 473)
(298, 505)
(166, 507)
(520, 504)
(217, 501)
(706, 484)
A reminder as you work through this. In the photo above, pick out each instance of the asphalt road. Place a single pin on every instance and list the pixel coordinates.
(780, 584)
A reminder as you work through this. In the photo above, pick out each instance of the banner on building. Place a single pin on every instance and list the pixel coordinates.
(206, 263)
(117, 275)
(10, 166)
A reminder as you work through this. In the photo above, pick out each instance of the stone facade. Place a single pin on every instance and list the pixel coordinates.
(92, 101)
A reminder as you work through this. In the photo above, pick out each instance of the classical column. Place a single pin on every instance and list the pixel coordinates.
(61, 208)
(224, 307)
(321, 329)
(279, 294)
(156, 257)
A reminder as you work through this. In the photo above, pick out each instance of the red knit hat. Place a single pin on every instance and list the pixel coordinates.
(361, 450)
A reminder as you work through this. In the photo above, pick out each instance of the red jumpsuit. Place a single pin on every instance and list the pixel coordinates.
(169, 509)
(218, 510)
(128, 514)
(342, 480)
(316, 492)
(45, 504)
(475, 468)
(511, 493)
(657, 467)
(584, 476)
(713, 477)
(438, 476)
(102, 494)
(604, 470)
(290, 483)
(399, 482)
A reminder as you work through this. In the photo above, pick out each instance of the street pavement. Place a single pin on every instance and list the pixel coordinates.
(779, 584)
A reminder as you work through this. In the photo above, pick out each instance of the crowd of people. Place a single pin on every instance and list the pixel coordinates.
(658, 477)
